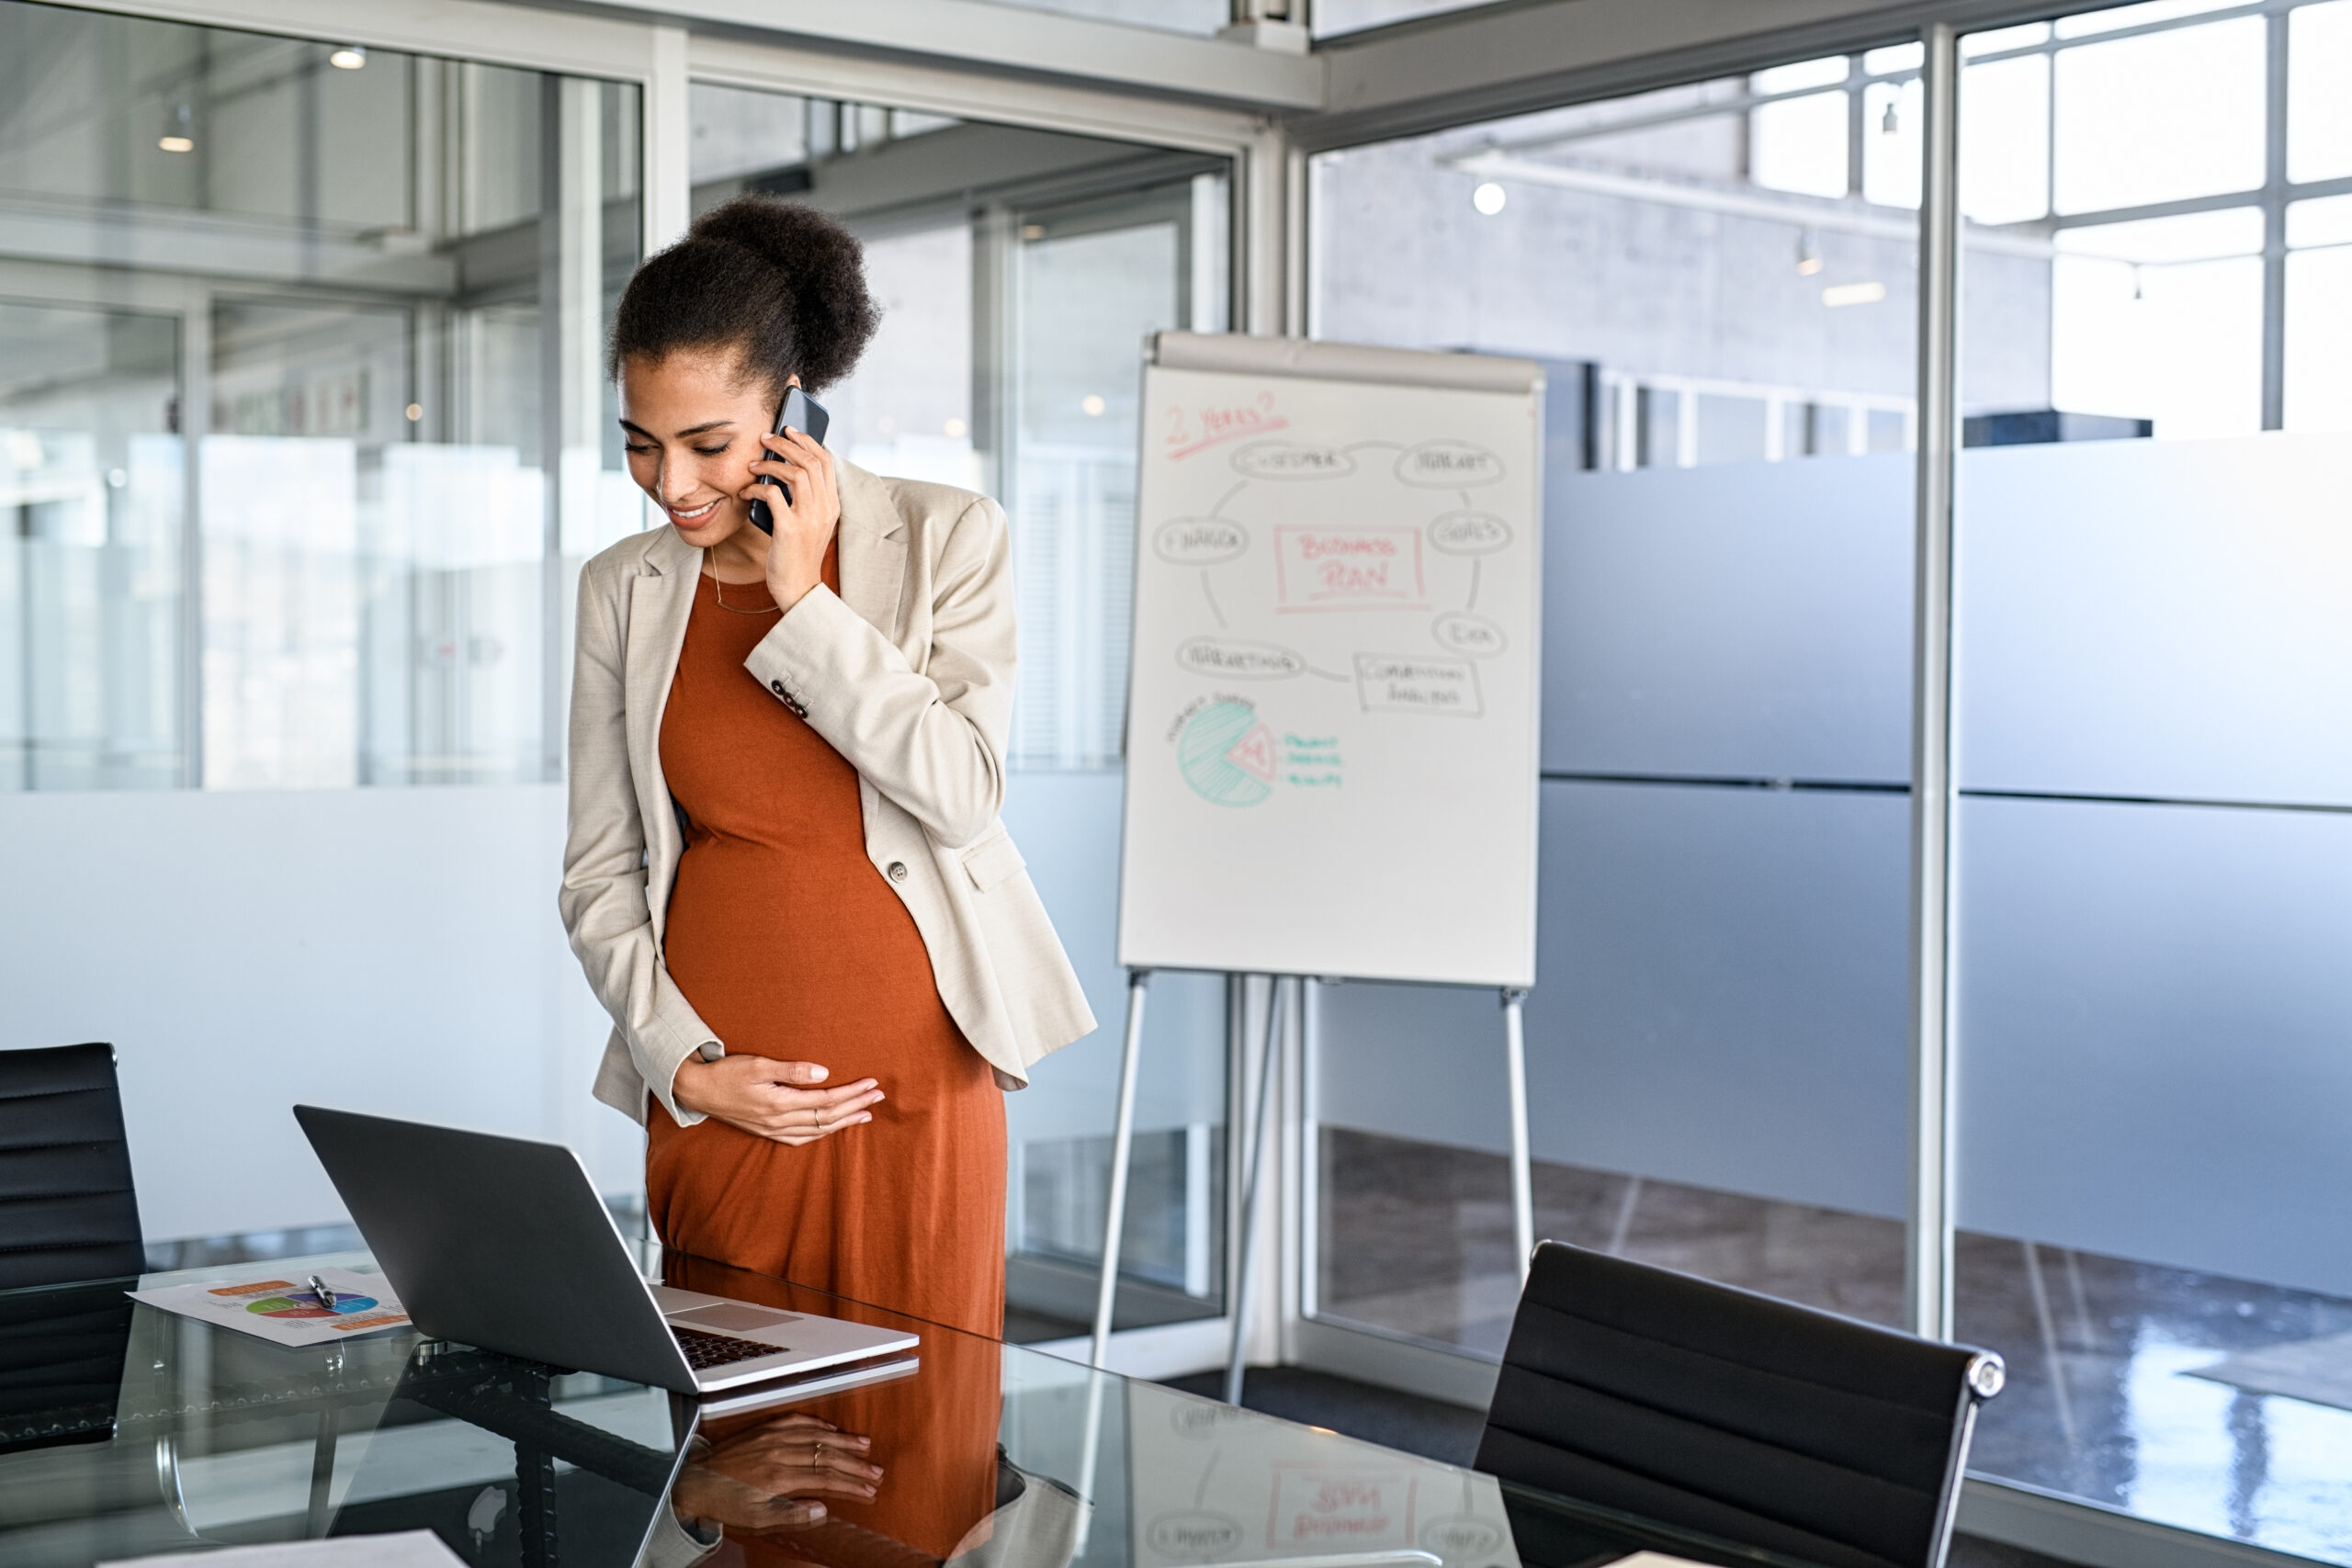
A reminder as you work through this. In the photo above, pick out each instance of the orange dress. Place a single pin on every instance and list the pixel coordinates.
(790, 945)
(933, 1435)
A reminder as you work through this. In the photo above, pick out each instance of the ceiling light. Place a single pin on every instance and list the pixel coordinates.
(1853, 294)
(1093, 405)
(350, 57)
(180, 129)
(1490, 198)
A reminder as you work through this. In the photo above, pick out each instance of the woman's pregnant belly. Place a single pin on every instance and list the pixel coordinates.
(788, 957)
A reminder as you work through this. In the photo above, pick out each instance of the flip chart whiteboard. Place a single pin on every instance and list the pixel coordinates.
(1332, 701)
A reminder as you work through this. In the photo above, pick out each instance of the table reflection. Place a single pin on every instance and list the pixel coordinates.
(778, 1472)
(906, 1465)
(176, 1435)
(994, 1454)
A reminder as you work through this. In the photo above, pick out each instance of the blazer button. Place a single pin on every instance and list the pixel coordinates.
(775, 686)
(897, 871)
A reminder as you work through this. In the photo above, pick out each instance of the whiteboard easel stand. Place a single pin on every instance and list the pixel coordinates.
(1090, 1451)
(1522, 1184)
(1400, 436)
(1523, 1171)
(1123, 1137)
(1245, 1285)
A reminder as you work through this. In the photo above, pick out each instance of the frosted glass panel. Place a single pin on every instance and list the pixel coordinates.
(1744, 621)
(1068, 827)
(2153, 1007)
(2157, 619)
(1059, 1129)
(1719, 1001)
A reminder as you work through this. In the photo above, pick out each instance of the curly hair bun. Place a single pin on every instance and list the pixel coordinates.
(782, 284)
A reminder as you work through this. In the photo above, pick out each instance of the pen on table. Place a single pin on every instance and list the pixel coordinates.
(319, 1289)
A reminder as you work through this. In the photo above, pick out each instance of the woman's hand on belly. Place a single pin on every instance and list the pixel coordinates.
(768, 1098)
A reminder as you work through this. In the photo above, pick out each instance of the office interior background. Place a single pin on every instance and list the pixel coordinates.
(304, 436)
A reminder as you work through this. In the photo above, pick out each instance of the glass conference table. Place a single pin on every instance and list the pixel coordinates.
(127, 1431)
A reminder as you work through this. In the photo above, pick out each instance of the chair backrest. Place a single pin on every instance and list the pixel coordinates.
(67, 1209)
(1718, 1410)
(60, 1364)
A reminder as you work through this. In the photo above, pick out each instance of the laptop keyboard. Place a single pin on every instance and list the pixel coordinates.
(705, 1351)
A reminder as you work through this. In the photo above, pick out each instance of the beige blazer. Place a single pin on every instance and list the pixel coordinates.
(908, 672)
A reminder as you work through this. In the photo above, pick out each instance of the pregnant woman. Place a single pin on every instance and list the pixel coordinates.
(785, 876)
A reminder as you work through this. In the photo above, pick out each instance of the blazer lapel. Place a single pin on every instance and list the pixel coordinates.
(662, 600)
(874, 549)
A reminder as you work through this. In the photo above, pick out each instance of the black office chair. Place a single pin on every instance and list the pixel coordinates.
(1729, 1413)
(67, 1209)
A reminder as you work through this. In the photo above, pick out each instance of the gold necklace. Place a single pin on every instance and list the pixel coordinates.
(718, 592)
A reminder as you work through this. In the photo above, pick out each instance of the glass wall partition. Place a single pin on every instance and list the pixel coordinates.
(2152, 838)
(90, 561)
(301, 427)
(1720, 281)
(1019, 273)
(2155, 831)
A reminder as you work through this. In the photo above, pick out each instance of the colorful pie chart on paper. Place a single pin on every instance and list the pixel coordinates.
(305, 1304)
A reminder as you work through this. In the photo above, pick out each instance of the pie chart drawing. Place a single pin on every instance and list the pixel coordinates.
(303, 1303)
(1226, 755)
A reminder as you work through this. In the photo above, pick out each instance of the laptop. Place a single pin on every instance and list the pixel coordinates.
(502, 1242)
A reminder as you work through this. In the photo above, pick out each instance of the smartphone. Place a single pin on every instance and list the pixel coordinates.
(801, 412)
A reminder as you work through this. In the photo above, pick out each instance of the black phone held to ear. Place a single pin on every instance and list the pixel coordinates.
(802, 413)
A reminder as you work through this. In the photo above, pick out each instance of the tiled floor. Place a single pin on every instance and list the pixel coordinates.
(1439, 1218)
(2102, 1400)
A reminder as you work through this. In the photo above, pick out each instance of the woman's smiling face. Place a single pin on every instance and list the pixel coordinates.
(691, 424)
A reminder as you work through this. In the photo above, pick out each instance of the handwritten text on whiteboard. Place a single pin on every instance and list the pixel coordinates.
(1360, 567)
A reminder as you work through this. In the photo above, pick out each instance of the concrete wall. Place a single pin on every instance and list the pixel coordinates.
(1402, 258)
